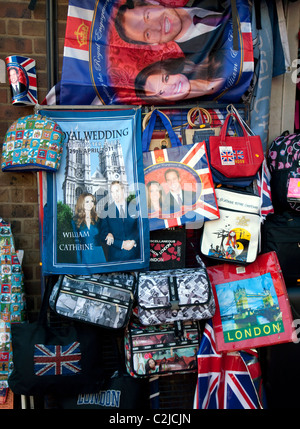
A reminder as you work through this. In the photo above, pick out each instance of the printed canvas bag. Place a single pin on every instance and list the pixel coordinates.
(236, 235)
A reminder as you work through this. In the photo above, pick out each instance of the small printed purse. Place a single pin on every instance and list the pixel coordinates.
(162, 349)
(168, 296)
(104, 300)
(32, 143)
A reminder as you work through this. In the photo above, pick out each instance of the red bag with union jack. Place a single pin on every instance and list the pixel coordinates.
(236, 156)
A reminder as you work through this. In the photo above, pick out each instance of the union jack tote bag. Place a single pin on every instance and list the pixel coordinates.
(178, 182)
(52, 360)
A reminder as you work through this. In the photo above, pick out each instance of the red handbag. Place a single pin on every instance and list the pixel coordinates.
(235, 156)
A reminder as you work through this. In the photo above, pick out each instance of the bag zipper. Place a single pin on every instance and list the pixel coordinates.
(95, 298)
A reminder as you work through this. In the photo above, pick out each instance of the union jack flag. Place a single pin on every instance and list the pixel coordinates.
(227, 157)
(238, 154)
(100, 68)
(224, 381)
(57, 360)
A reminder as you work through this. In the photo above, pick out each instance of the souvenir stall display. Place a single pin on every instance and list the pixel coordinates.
(128, 177)
(12, 306)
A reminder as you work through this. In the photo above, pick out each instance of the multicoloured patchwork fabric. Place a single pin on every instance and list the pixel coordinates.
(32, 143)
(12, 300)
(174, 295)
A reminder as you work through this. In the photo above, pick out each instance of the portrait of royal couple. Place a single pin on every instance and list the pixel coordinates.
(112, 236)
(196, 30)
(172, 203)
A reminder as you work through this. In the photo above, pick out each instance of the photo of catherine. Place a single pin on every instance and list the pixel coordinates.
(87, 226)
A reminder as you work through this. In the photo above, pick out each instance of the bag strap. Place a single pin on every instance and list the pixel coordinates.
(224, 129)
(148, 131)
(197, 257)
(202, 114)
(42, 319)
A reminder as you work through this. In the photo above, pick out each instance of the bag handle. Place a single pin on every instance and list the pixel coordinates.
(148, 131)
(202, 113)
(42, 318)
(224, 129)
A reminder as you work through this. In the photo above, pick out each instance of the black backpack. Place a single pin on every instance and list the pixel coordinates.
(281, 233)
(284, 163)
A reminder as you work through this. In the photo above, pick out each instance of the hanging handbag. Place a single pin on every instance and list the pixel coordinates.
(167, 248)
(235, 236)
(61, 359)
(252, 306)
(104, 300)
(161, 349)
(283, 161)
(203, 129)
(184, 168)
(236, 156)
(114, 393)
(234, 128)
(168, 296)
(32, 143)
(281, 233)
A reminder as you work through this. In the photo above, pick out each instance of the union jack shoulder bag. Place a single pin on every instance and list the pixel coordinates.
(236, 156)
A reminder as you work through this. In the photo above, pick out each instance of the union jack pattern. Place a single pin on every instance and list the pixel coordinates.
(224, 381)
(57, 360)
(238, 154)
(264, 189)
(28, 67)
(195, 158)
(227, 157)
(94, 74)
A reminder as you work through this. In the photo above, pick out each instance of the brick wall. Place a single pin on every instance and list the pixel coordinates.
(23, 32)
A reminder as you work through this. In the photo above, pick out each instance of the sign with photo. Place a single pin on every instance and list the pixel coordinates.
(93, 218)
